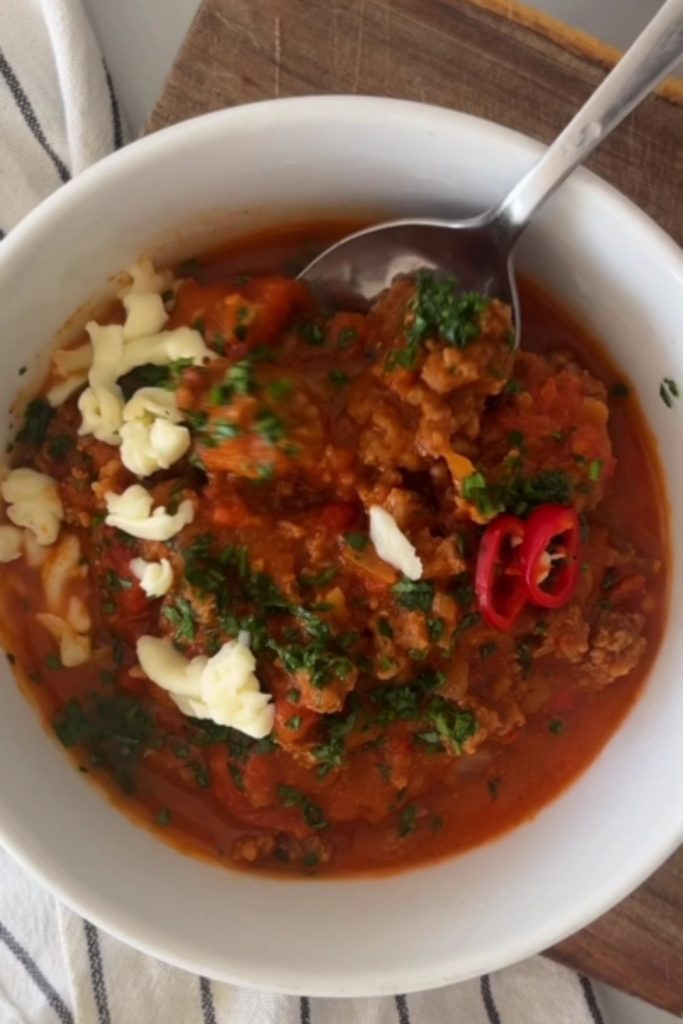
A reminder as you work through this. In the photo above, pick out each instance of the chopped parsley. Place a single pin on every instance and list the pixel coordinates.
(357, 541)
(330, 754)
(37, 419)
(494, 787)
(53, 663)
(595, 470)
(338, 378)
(486, 650)
(407, 821)
(60, 446)
(320, 579)
(451, 726)
(438, 310)
(312, 334)
(163, 817)
(346, 337)
(281, 388)
(312, 814)
(556, 726)
(415, 595)
(384, 629)
(181, 616)
(115, 729)
(518, 495)
(668, 391)
(269, 425)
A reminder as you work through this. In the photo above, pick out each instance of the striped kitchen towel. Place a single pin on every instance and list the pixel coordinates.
(58, 112)
(56, 968)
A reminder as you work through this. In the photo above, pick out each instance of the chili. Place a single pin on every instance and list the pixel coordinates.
(553, 533)
(499, 581)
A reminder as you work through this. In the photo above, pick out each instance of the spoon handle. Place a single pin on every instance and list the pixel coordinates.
(643, 66)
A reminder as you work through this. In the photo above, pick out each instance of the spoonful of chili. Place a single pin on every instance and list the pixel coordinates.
(478, 251)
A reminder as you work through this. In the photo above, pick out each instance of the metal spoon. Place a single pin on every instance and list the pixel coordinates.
(478, 251)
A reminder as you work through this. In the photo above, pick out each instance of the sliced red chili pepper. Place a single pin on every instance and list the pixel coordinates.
(498, 581)
(553, 535)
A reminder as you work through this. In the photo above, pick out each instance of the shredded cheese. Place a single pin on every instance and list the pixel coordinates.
(156, 578)
(33, 502)
(132, 513)
(151, 438)
(392, 545)
(74, 647)
(145, 315)
(223, 688)
(11, 539)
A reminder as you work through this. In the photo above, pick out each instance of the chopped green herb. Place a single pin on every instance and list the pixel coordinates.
(163, 817)
(60, 446)
(451, 726)
(556, 726)
(559, 435)
(37, 419)
(468, 621)
(438, 310)
(223, 430)
(181, 616)
(513, 387)
(293, 696)
(107, 677)
(494, 787)
(357, 541)
(265, 471)
(407, 821)
(312, 334)
(415, 595)
(294, 722)
(115, 582)
(320, 579)
(53, 663)
(312, 814)
(668, 391)
(338, 378)
(486, 650)
(346, 337)
(384, 628)
(404, 703)
(610, 579)
(269, 425)
(330, 754)
(595, 469)
(280, 388)
(516, 438)
(463, 590)
(436, 628)
(525, 658)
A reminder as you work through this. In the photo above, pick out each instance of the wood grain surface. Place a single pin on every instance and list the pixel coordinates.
(503, 61)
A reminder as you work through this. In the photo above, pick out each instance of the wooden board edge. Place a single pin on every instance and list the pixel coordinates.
(578, 42)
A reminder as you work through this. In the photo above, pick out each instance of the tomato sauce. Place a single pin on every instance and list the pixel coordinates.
(406, 728)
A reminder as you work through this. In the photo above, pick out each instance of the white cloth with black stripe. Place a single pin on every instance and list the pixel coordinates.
(58, 114)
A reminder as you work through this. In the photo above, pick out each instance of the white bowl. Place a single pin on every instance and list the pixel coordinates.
(623, 276)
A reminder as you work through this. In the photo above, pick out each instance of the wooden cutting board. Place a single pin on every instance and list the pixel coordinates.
(505, 62)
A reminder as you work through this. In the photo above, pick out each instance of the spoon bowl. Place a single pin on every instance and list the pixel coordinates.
(353, 272)
(478, 252)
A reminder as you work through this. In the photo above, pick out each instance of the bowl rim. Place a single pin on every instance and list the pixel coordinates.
(101, 909)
